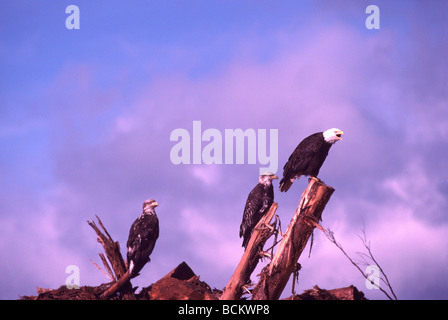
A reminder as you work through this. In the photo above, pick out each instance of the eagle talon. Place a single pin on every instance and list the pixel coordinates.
(266, 226)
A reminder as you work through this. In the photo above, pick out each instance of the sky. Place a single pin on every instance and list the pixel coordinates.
(86, 117)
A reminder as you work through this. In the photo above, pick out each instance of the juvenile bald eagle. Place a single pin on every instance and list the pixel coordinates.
(258, 203)
(142, 238)
(309, 156)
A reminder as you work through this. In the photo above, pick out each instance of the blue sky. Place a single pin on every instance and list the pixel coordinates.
(86, 116)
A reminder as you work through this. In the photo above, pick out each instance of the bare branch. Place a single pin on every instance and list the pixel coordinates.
(385, 279)
(113, 254)
(331, 237)
(110, 277)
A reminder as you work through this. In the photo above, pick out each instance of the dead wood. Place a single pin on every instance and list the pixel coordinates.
(113, 254)
(181, 283)
(275, 276)
(347, 293)
(261, 233)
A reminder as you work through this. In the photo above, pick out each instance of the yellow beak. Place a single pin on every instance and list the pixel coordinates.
(339, 134)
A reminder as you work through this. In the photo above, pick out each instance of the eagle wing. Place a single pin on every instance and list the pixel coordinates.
(142, 238)
(301, 158)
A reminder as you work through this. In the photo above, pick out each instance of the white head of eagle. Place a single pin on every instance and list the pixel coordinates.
(258, 203)
(142, 238)
(266, 178)
(333, 135)
(309, 156)
(149, 205)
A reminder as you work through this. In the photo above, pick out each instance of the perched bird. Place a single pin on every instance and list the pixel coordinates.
(258, 203)
(142, 238)
(309, 156)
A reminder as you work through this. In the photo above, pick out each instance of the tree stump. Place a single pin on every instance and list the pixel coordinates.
(275, 276)
(251, 256)
(112, 250)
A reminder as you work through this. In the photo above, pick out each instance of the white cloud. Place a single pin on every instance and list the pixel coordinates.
(413, 188)
(209, 241)
(33, 251)
(409, 246)
(209, 175)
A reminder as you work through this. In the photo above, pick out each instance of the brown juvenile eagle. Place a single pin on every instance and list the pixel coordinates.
(142, 238)
(258, 203)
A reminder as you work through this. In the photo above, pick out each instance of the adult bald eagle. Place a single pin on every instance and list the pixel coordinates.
(258, 203)
(309, 156)
(142, 238)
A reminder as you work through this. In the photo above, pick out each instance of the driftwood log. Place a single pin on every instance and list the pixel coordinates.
(275, 276)
(261, 233)
(120, 274)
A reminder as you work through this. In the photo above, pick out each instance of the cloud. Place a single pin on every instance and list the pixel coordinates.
(35, 254)
(207, 237)
(404, 229)
(209, 175)
(109, 151)
(415, 188)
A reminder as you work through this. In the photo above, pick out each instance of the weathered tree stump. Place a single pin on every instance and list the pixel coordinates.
(112, 250)
(275, 276)
(251, 256)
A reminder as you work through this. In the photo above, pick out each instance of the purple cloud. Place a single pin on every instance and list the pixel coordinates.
(104, 148)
